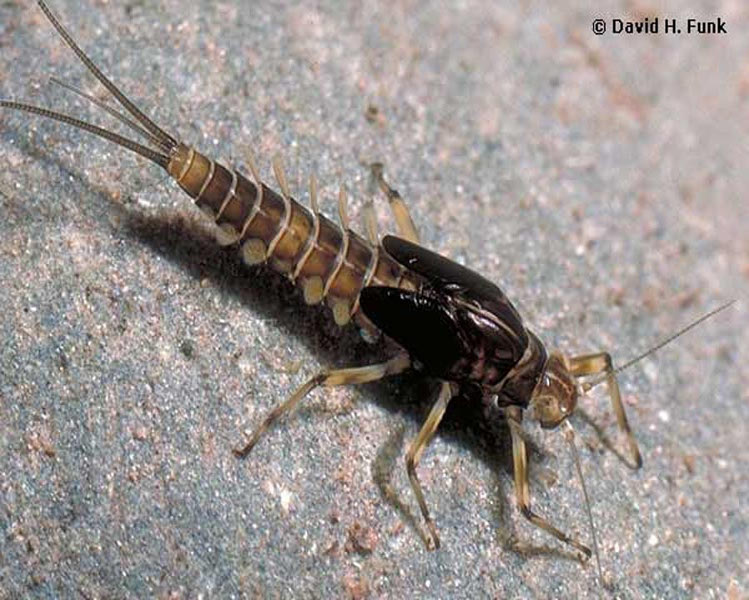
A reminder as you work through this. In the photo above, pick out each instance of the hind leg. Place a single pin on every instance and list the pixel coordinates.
(352, 376)
(403, 220)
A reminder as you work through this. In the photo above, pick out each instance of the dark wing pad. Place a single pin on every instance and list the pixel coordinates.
(437, 269)
(457, 281)
(421, 324)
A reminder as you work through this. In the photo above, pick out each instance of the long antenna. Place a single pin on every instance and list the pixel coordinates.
(587, 386)
(569, 435)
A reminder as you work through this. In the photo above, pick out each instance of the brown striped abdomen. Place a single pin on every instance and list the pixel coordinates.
(327, 262)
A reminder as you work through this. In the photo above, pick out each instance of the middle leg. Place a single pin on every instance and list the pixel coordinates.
(416, 449)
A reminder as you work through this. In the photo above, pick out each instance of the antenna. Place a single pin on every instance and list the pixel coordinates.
(587, 386)
(569, 435)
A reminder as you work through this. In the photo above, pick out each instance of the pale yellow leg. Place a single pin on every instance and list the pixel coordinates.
(415, 450)
(352, 376)
(592, 364)
(522, 489)
(403, 220)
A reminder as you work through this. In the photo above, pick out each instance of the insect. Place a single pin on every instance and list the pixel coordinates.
(478, 346)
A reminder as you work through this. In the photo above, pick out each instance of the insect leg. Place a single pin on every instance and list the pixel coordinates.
(352, 376)
(406, 228)
(592, 364)
(415, 450)
(522, 489)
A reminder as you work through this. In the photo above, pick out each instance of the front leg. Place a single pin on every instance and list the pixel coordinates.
(522, 489)
(600, 362)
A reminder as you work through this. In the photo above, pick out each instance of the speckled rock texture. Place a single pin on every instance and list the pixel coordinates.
(600, 180)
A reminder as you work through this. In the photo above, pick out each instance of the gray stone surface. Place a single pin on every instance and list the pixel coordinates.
(601, 181)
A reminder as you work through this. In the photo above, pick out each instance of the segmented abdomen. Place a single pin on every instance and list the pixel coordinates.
(327, 262)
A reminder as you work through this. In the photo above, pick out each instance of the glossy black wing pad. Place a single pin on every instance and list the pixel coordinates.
(437, 269)
(457, 281)
(417, 322)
